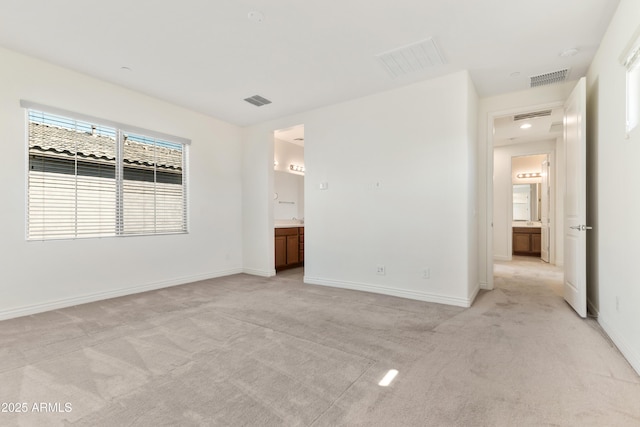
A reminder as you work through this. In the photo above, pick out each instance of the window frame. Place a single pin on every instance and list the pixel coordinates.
(630, 60)
(121, 129)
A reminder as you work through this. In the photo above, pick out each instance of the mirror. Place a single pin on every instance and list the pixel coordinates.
(288, 199)
(526, 202)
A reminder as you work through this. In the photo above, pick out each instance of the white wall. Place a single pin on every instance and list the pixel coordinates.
(287, 153)
(502, 189)
(488, 109)
(613, 186)
(38, 276)
(524, 164)
(400, 172)
(473, 185)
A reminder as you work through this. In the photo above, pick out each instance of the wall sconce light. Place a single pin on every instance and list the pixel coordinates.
(275, 163)
(529, 175)
(296, 168)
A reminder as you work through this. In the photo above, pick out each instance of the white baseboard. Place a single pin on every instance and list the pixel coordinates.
(261, 273)
(99, 296)
(502, 258)
(474, 294)
(376, 289)
(627, 350)
(485, 286)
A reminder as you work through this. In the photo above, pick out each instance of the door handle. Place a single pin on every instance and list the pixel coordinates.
(581, 227)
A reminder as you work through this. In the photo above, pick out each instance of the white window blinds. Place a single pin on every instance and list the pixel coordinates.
(153, 193)
(91, 180)
(72, 186)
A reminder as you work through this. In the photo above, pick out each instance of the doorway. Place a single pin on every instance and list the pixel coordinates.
(531, 227)
(570, 168)
(288, 201)
(527, 161)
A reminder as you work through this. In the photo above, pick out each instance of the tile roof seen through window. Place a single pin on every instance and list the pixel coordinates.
(61, 142)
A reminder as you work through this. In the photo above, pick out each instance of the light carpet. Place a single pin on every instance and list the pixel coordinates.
(250, 351)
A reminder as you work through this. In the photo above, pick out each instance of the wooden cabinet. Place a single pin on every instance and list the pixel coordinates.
(536, 242)
(526, 241)
(301, 244)
(289, 247)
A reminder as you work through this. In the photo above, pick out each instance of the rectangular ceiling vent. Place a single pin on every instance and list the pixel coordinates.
(257, 100)
(411, 58)
(549, 78)
(527, 116)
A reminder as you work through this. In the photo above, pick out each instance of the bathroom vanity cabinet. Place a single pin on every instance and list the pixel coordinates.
(527, 241)
(289, 247)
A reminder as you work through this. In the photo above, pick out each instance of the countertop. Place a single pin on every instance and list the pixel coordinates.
(289, 224)
(527, 224)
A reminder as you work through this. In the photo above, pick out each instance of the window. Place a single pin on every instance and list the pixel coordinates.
(152, 186)
(631, 61)
(92, 178)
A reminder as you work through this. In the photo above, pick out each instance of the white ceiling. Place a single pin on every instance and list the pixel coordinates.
(294, 135)
(507, 131)
(207, 56)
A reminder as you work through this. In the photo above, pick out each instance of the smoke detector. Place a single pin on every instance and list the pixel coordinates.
(572, 51)
(255, 16)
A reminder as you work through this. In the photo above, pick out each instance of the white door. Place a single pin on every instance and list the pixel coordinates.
(545, 190)
(575, 204)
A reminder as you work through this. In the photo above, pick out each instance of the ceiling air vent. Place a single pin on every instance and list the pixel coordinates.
(257, 100)
(549, 78)
(298, 139)
(527, 116)
(410, 58)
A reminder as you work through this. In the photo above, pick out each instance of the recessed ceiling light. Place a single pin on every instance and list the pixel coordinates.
(125, 68)
(515, 74)
(256, 16)
(525, 126)
(569, 52)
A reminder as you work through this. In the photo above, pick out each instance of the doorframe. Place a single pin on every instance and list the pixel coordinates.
(271, 185)
(491, 116)
(552, 204)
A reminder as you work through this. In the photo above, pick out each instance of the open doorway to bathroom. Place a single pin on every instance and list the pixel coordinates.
(288, 201)
(530, 220)
(528, 174)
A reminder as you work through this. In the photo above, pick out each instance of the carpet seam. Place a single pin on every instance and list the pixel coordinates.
(342, 394)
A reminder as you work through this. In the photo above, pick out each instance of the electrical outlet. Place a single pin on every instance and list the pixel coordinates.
(426, 273)
(381, 270)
